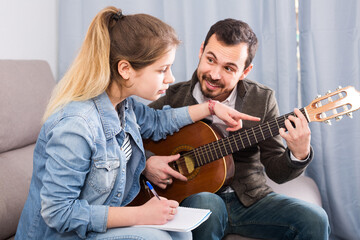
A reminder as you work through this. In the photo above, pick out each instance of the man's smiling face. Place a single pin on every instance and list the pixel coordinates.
(221, 67)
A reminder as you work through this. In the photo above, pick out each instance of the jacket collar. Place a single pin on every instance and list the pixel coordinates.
(108, 115)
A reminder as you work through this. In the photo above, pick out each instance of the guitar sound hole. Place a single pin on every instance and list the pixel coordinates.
(177, 165)
(174, 166)
(185, 165)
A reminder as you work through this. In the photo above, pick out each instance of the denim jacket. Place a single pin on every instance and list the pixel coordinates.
(79, 167)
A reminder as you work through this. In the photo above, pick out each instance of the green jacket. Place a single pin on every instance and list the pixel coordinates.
(270, 155)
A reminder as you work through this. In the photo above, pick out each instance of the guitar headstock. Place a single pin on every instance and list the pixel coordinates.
(334, 105)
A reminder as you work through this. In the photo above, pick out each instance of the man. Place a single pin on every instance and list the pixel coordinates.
(248, 207)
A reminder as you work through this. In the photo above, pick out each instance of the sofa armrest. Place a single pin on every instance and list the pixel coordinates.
(26, 86)
(302, 187)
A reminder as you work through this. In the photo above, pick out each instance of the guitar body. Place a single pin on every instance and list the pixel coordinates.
(207, 178)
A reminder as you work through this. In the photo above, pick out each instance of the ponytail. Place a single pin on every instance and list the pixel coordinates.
(89, 74)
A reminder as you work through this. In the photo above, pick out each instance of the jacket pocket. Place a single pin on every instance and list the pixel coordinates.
(103, 174)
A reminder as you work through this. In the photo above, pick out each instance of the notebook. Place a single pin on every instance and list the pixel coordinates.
(185, 220)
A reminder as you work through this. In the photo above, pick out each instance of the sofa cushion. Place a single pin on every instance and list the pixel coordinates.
(24, 93)
(16, 170)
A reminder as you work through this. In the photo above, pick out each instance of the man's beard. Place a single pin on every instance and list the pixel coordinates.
(209, 93)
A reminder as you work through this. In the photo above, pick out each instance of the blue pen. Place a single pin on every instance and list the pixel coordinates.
(152, 189)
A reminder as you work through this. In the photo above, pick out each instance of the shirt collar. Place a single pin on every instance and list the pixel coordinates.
(230, 100)
(121, 109)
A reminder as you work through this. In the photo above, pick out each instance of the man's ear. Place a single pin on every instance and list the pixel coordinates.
(201, 49)
(124, 68)
(246, 71)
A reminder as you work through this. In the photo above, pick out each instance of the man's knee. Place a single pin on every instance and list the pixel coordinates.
(316, 224)
(321, 219)
(214, 227)
(210, 201)
(204, 200)
(317, 217)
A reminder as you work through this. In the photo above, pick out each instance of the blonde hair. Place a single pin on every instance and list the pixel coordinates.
(140, 39)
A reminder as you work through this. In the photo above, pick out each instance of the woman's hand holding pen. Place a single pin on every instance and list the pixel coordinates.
(152, 212)
(159, 212)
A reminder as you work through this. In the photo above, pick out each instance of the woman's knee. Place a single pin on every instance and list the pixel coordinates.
(142, 233)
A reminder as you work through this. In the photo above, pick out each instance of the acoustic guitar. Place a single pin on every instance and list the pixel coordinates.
(206, 157)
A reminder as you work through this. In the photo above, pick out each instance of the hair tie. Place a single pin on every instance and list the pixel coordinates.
(118, 15)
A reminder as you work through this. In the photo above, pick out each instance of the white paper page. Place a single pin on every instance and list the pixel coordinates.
(185, 220)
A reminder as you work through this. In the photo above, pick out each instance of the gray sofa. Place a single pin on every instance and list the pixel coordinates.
(25, 88)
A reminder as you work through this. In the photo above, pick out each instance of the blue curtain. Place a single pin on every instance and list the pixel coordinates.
(274, 23)
(330, 56)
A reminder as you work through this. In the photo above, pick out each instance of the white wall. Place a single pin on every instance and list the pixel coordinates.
(28, 30)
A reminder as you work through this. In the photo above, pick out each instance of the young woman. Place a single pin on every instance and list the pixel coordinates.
(89, 154)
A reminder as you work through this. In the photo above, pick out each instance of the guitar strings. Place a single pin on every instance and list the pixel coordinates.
(203, 153)
(251, 134)
(233, 139)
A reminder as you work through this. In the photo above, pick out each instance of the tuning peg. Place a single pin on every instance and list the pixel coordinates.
(318, 96)
(349, 114)
(338, 118)
(339, 87)
(328, 92)
(327, 122)
(318, 104)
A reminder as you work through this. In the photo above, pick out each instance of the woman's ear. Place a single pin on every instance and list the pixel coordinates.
(124, 68)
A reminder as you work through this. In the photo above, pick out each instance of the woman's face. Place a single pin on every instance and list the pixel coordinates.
(152, 81)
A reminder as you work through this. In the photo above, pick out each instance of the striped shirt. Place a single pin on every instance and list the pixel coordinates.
(126, 147)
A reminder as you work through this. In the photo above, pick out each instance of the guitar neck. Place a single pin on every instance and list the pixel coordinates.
(238, 141)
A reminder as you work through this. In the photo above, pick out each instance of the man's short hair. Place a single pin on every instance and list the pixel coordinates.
(231, 32)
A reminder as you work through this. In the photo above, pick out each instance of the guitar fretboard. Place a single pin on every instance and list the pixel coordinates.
(237, 141)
